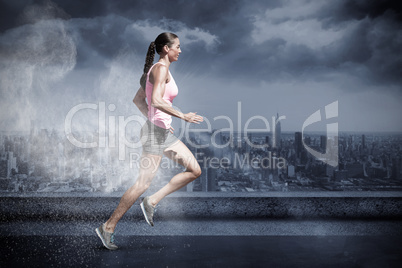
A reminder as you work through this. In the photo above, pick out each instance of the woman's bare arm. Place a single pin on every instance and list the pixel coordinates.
(139, 101)
(159, 74)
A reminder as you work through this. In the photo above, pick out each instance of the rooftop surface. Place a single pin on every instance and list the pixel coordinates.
(306, 229)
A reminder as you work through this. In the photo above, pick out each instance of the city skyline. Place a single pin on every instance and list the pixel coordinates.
(44, 161)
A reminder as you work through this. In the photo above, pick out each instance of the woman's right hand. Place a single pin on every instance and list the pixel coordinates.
(193, 118)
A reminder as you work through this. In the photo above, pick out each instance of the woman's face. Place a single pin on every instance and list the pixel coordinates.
(174, 50)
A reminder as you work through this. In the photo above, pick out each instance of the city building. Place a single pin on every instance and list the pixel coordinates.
(276, 135)
(323, 143)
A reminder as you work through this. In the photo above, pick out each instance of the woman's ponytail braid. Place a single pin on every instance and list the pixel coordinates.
(149, 60)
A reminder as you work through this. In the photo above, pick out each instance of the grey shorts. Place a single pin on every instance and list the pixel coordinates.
(155, 139)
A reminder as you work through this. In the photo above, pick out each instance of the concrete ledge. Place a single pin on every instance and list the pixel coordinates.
(306, 205)
(208, 227)
(213, 194)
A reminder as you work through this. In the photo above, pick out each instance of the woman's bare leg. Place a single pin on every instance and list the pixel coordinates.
(182, 155)
(148, 166)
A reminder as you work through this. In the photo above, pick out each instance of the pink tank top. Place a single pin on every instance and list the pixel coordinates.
(156, 116)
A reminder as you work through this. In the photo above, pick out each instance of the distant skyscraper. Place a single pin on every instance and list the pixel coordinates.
(291, 171)
(218, 139)
(11, 163)
(211, 179)
(208, 179)
(247, 144)
(298, 144)
(323, 142)
(364, 141)
(276, 137)
(307, 140)
(330, 171)
(204, 180)
(267, 140)
(3, 167)
(350, 140)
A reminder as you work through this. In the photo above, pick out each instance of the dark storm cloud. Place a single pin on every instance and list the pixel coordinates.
(17, 13)
(374, 45)
(47, 10)
(250, 43)
(49, 53)
(369, 46)
(204, 14)
(229, 20)
(9, 12)
(99, 38)
(345, 10)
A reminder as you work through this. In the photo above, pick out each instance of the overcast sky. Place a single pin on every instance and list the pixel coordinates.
(264, 57)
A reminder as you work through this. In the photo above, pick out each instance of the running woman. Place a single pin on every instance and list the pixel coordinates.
(157, 138)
